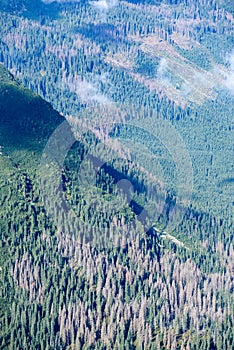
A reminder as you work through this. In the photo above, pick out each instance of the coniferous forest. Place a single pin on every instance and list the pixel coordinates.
(117, 173)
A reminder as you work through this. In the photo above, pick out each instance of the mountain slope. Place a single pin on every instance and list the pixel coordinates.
(26, 120)
(57, 294)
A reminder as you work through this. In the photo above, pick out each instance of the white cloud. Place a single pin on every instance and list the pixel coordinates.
(186, 90)
(229, 81)
(59, 1)
(89, 91)
(230, 59)
(162, 69)
(104, 4)
(100, 5)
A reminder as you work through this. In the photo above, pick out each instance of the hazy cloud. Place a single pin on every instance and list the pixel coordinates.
(229, 81)
(162, 68)
(185, 89)
(89, 91)
(59, 1)
(163, 72)
(104, 4)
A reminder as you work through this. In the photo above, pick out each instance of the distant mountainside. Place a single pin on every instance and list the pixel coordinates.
(29, 8)
(50, 282)
(148, 89)
(169, 58)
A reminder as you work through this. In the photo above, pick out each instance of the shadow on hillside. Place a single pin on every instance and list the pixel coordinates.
(31, 9)
(101, 33)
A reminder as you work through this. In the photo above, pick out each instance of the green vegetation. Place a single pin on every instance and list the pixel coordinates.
(78, 270)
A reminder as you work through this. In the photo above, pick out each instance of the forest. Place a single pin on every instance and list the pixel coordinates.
(116, 170)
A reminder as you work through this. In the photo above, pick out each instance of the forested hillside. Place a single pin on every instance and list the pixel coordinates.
(116, 227)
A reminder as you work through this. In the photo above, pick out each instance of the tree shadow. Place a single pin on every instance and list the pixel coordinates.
(101, 33)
